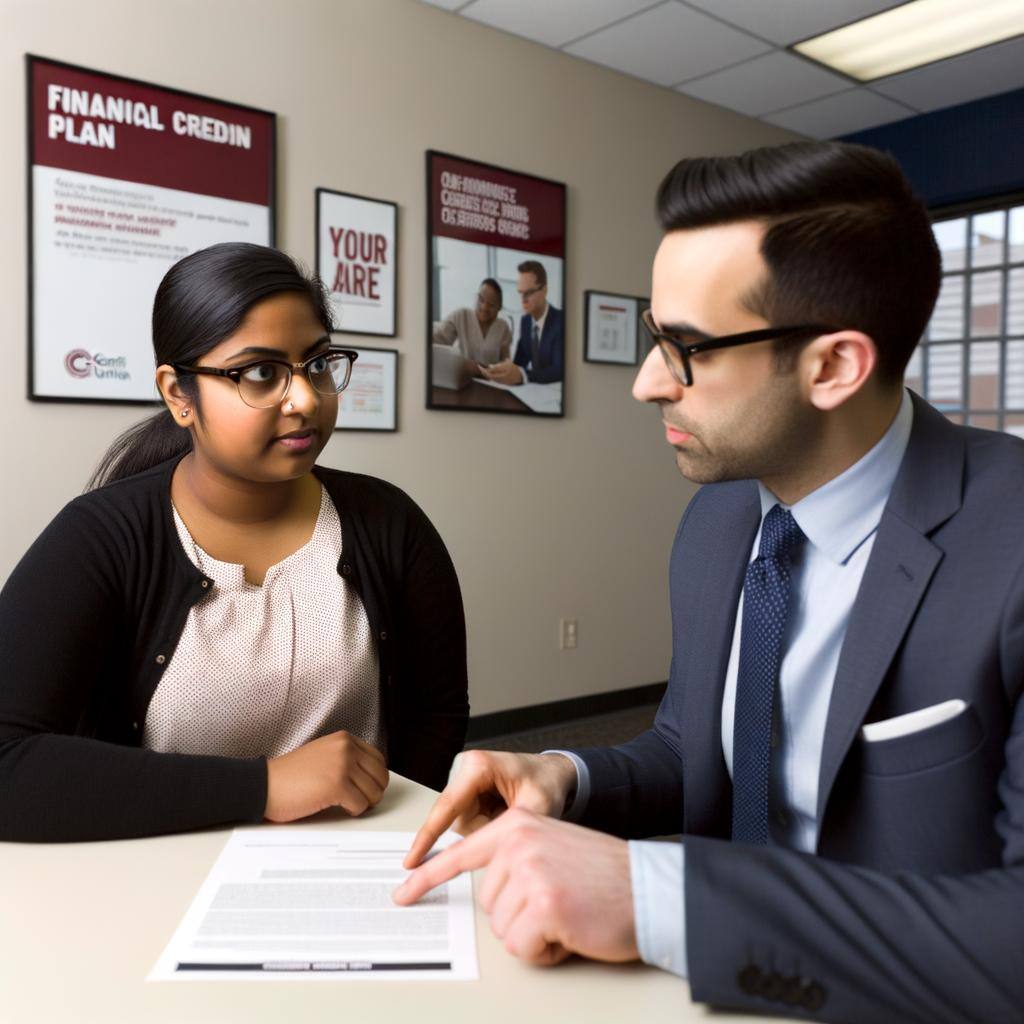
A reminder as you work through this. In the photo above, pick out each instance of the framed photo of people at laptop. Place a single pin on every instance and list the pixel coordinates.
(496, 287)
(370, 401)
(356, 258)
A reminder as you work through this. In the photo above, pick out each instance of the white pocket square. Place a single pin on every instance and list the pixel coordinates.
(913, 721)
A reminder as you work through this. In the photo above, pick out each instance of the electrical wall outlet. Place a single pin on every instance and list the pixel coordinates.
(567, 634)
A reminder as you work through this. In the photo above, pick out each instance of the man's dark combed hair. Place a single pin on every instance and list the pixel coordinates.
(536, 268)
(847, 242)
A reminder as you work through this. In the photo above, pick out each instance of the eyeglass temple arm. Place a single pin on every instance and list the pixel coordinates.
(751, 336)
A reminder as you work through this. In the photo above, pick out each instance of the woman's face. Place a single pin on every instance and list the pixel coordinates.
(277, 443)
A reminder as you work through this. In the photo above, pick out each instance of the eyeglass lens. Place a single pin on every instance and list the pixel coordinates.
(674, 361)
(265, 384)
(673, 356)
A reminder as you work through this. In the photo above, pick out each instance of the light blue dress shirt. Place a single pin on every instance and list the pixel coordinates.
(840, 520)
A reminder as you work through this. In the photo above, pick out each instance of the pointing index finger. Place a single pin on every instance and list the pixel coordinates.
(456, 798)
(467, 854)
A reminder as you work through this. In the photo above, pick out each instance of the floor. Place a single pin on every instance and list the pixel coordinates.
(596, 731)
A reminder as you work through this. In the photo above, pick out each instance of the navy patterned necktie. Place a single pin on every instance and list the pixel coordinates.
(765, 608)
(535, 348)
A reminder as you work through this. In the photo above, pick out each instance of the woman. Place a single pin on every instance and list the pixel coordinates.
(481, 335)
(223, 631)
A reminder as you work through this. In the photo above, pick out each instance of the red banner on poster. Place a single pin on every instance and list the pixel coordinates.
(477, 203)
(116, 128)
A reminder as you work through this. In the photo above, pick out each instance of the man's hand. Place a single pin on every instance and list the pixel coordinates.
(505, 372)
(484, 783)
(551, 888)
(337, 770)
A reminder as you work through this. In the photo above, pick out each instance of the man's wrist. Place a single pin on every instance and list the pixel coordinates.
(578, 785)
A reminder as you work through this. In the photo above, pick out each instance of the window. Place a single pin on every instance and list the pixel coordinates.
(970, 363)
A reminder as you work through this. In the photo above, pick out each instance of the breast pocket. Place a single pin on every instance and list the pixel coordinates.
(925, 749)
(923, 802)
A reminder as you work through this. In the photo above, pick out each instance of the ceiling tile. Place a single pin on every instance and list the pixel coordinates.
(789, 21)
(448, 5)
(668, 44)
(766, 83)
(553, 23)
(841, 114)
(970, 76)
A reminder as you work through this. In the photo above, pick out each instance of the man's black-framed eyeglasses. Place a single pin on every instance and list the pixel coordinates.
(676, 348)
(264, 382)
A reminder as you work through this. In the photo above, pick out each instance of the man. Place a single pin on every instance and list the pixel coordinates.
(842, 738)
(540, 353)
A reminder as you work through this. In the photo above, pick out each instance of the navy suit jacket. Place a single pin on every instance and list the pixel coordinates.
(913, 908)
(552, 347)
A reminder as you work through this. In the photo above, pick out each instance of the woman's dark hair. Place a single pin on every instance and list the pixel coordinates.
(491, 283)
(202, 300)
(847, 241)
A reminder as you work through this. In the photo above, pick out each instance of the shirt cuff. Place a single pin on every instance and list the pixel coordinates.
(577, 803)
(657, 872)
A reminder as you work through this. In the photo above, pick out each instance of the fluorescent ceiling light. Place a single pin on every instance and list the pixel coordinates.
(913, 34)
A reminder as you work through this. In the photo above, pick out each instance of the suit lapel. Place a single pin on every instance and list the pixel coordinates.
(706, 589)
(898, 573)
(927, 491)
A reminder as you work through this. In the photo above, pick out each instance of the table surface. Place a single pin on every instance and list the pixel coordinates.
(82, 924)
(476, 396)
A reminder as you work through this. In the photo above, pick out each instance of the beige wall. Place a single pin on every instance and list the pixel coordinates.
(544, 519)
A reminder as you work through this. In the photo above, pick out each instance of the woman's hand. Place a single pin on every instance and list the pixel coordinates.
(337, 770)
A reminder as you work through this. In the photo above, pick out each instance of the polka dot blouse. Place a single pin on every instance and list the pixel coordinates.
(260, 670)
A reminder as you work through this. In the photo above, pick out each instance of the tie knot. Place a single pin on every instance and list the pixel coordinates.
(780, 534)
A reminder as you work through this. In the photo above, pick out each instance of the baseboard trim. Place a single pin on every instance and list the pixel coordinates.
(535, 716)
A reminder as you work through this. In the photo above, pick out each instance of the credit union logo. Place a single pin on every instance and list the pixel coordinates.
(80, 363)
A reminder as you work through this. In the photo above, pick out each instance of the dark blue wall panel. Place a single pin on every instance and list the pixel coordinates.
(961, 153)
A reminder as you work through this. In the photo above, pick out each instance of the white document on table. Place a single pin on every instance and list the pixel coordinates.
(301, 904)
(543, 398)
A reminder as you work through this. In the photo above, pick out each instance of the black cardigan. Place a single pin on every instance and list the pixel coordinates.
(89, 620)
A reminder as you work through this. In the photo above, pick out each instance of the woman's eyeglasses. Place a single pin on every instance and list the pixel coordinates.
(265, 382)
(677, 347)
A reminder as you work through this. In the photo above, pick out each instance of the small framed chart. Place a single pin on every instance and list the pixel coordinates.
(370, 402)
(610, 328)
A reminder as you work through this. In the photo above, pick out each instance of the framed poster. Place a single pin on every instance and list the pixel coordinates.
(610, 328)
(370, 402)
(496, 286)
(356, 257)
(125, 178)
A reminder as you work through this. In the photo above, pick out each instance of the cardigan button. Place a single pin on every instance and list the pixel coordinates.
(383, 634)
(135, 726)
(204, 584)
(346, 569)
(160, 659)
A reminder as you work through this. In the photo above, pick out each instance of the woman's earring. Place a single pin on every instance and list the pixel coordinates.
(184, 413)
(290, 407)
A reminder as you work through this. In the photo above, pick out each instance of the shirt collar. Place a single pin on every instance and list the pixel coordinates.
(841, 514)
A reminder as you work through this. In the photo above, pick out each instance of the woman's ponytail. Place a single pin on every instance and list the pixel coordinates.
(142, 446)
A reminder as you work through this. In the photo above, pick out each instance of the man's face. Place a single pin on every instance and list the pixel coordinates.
(534, 297)
(742, 417)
